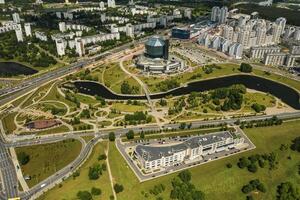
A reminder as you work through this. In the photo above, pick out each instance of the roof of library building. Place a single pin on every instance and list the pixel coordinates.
(150, 153)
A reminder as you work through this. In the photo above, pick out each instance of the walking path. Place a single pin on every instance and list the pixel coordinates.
(145, 88)
(109, 172)
(18, 169)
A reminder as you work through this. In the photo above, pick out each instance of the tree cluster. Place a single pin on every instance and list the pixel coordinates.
(95, 171)
(126, 88)
(296, 144)
(183, 189)
(138, 116)
(254, 185)
(261, 160)
(258, 107)
(157, 189)
(245, 67)
(168, 85)
(261, 123)
(287, 191)
(232, 97)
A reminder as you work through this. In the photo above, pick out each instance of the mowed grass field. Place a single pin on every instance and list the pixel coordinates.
(71, 186)
(47, 159)
(214, 178)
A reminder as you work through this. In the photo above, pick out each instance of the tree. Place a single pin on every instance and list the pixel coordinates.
(185, 176)
(102, 157)
(96, 191)
(23, 158)
(258, 107)
(247, 188)
(130, 134)
(111, 136)
(84, 195)
(245, 67)
(118, 188)
(287, 191)
(296, 144)
(252, 168)
(95, 172)
(142, 135)
(229, 165)
(243, 162)
(261, 187)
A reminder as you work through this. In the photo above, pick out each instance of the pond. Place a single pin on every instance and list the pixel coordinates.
(8, 69)
(287, 94)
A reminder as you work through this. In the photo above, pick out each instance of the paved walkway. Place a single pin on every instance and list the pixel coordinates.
(18, 169)
(109, 173)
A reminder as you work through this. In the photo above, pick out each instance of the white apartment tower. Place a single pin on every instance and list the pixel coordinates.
(19, 33)
(16, 17)
(114, 28)
(27, 28)
(223, 15)
(129, 30)
(281, 22)
(101, 5)
(111, 3)
(261, 34)
(188, 13)
(60, 47)
(215, 13)
(79, 47)
(228, 32)
(62, 26)
(297, 35)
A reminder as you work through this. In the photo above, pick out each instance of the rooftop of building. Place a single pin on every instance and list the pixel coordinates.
(155, 41)
(150, 153)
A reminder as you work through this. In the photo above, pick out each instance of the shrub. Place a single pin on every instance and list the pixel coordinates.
(84, 195)
(23, 158)
(111, 136)
(96, 191)
(118, 188)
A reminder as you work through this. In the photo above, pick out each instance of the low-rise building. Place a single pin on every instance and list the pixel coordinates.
(151, 158)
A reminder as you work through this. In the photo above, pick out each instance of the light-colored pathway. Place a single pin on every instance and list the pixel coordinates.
(109, 172)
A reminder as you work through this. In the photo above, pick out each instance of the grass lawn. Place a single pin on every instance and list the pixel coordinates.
(54, 95)
(71, 186)
(123, 107)
(37, 94)
(114, 76)
(260, 98)
(8, 123)
(174, 133)
(275, 77)
(215, 179)
(46, 159)
(58, 129)
(86, 99)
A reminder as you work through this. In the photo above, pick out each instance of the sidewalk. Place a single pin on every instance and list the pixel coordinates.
(19, 171)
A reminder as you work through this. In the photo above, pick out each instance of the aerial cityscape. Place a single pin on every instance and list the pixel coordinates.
(149, 99)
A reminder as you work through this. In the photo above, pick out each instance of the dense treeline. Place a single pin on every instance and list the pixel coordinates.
(272, 13)
(23, 52)
(139, 117)
(126, 88)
